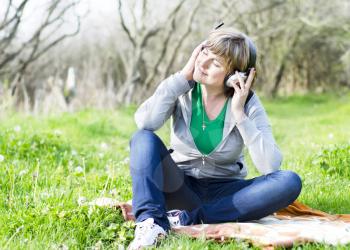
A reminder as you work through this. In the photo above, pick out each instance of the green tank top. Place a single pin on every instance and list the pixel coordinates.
(206, 140)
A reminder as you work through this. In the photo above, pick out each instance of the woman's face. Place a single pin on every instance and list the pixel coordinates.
(209, 69)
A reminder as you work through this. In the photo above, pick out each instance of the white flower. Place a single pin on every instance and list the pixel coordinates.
(35, 175)
(104, 146)
(57, 132)
(59, 247)
(104, 202)
(2, 158)
(98, 245)
(121, 247)
(19, 228)
(113, 192)
(45, 210)
(330, 136)
(81, 200)
(126, 160)
(63, 247)
(74, 152)
(23, 172)
(45, 195)
(79, 170)
(17, 128)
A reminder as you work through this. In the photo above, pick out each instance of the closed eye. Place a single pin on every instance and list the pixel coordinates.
(217, 64)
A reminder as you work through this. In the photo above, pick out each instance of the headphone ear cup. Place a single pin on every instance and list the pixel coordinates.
(252, 55)
(226, 80)
(229, 90)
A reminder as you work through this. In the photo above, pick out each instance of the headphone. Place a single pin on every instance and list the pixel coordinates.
(251, 62)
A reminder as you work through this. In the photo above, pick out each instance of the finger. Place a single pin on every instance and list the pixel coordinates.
(241, 82)
(236, 87)
(250, 79)
(204, 42)
(199, 47)
(196, 51)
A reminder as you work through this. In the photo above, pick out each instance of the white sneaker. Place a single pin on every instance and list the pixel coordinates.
(147, 233)
(174, 218)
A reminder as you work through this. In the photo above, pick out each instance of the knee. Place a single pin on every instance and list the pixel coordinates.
(142, 136)
(291, 182)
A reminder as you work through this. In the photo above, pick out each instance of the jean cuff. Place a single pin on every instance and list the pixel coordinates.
(183, 218)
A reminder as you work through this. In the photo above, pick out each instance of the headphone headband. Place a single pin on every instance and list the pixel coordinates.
(251, 46)
(252, 53)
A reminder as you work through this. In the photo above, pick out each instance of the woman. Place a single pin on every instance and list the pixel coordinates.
(201, 178)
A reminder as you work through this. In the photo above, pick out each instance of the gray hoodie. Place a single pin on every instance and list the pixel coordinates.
(172, 98)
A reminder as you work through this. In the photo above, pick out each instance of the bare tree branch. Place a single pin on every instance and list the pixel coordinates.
(42, 39)
(36, 54)
(5, 21)
(133, 16)
(282, 65)
(143, 15)
(161, 57)
(7, 12)
(150, 77)
(182, 39)
(125, 28)
(228, 7)
(148, 34)
(238, 16)
(17, 17)
(153, 31)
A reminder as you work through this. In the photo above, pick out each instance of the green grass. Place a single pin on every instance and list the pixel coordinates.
(50, 163)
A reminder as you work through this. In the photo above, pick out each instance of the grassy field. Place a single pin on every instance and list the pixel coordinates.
(52, 166)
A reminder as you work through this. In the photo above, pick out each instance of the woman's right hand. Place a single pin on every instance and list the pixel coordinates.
(188, 70)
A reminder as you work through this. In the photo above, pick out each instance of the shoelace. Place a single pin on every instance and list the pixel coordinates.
(141, 230)
(173, 213)
(176, 222)
(173, 217)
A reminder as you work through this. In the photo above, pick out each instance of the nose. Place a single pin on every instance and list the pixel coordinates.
(204, 63)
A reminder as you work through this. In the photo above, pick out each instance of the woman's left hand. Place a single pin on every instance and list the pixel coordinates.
(241, 94)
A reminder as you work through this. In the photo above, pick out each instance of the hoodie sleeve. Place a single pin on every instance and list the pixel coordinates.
(257, 136)
(157, 109)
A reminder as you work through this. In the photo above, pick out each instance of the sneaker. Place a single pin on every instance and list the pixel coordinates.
(147, 233)
(174, 218)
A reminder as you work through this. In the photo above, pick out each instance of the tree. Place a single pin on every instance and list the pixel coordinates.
(143, 70)
(18, 53)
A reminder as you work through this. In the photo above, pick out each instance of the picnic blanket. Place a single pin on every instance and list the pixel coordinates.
(297, 223)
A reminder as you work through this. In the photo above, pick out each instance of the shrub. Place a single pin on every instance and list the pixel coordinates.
(334, 160)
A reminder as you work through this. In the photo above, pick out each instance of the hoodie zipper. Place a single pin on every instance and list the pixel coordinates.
(204, 156)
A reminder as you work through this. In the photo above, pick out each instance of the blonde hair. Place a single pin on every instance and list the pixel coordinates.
(236, 48)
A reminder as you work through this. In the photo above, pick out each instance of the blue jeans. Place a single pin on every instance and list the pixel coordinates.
(159, 185)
